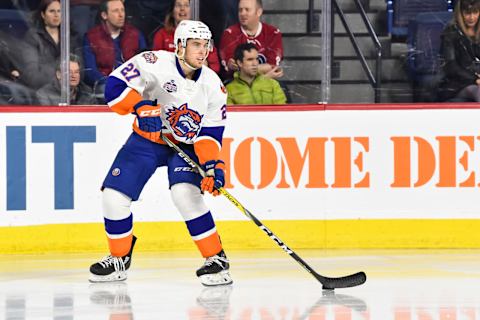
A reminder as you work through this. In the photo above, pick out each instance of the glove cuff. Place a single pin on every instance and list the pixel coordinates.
(213, 164)
(220, 165)
(210, 166)
(145, 103)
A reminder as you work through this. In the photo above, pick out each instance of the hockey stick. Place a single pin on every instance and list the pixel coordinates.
(327, 283)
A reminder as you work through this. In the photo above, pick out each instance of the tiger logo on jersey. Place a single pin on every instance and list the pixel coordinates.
(184, 122)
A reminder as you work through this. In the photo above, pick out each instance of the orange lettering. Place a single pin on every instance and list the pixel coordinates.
(401, 162)
(225, 156)
(365, 182)
(426, 161)
(295, 161)
(268, 163)
(470, 181)
(242, 163)
(343, 159)
(447, 173)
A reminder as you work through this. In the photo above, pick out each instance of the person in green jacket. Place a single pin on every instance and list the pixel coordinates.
(248, 86)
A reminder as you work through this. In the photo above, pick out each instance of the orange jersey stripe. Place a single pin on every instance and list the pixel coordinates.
(120, 247)
(125, 106)
(210, 245)
(206, 150)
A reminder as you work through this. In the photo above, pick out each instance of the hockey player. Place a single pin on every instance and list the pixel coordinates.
(176, 95)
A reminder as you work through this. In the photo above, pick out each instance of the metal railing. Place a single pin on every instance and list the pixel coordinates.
(375, 81)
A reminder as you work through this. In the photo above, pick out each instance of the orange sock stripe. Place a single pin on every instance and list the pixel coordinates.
(120, 247)
(126, 105)
(210, 245)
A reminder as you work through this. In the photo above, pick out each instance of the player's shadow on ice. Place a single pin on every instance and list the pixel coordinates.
(338, 304)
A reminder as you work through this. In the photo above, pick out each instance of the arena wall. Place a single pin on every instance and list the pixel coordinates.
(319, 176)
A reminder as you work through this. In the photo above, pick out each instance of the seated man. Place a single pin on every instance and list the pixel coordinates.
(267, 40)
(110, 43)
(250, 87)
(80, 93)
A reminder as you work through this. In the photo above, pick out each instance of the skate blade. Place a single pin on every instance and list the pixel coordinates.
(217, 279)
(116, 276)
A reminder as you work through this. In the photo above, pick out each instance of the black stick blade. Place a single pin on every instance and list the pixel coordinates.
(352, 280)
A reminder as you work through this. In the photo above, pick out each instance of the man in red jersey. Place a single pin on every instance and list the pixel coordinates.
(266, 38)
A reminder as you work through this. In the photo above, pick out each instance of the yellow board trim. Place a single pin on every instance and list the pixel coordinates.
(304, 234)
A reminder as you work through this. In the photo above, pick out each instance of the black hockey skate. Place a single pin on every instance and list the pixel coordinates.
(112, 268)
(215, 271)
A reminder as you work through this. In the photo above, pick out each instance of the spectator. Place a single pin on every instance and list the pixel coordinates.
(461, 53)
(267, 40)
(249, 87)
(42, 52)
(80, 93)
(110, 43)
(163, 39)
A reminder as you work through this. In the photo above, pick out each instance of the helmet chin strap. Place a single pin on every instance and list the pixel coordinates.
(182, 58)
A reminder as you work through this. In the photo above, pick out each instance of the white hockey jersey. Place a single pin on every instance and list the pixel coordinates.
(191, 110)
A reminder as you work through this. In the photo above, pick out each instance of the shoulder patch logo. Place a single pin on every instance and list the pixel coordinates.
(184, 122)
(150, 57)
(261, 58)
(222, 87)
(170, 86)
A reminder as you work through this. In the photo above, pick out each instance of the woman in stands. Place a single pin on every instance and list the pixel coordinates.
(163, 38)
(43, 44)
(461, 53)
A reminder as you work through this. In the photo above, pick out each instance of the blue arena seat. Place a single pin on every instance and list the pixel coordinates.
(400, 12)
(13, 22)
(424, 40)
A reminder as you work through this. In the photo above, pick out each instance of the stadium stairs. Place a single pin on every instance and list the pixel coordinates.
(302, 51)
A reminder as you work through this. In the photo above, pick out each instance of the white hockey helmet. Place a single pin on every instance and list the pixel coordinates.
(189, 29)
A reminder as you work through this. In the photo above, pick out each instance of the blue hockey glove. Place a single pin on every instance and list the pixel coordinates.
(148, 115)
(215, 176)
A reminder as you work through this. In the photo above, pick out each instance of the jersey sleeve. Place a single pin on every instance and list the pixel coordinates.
(209, 140)
(228, 44)
(213, 62)
(125, 85)
(274, 49)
